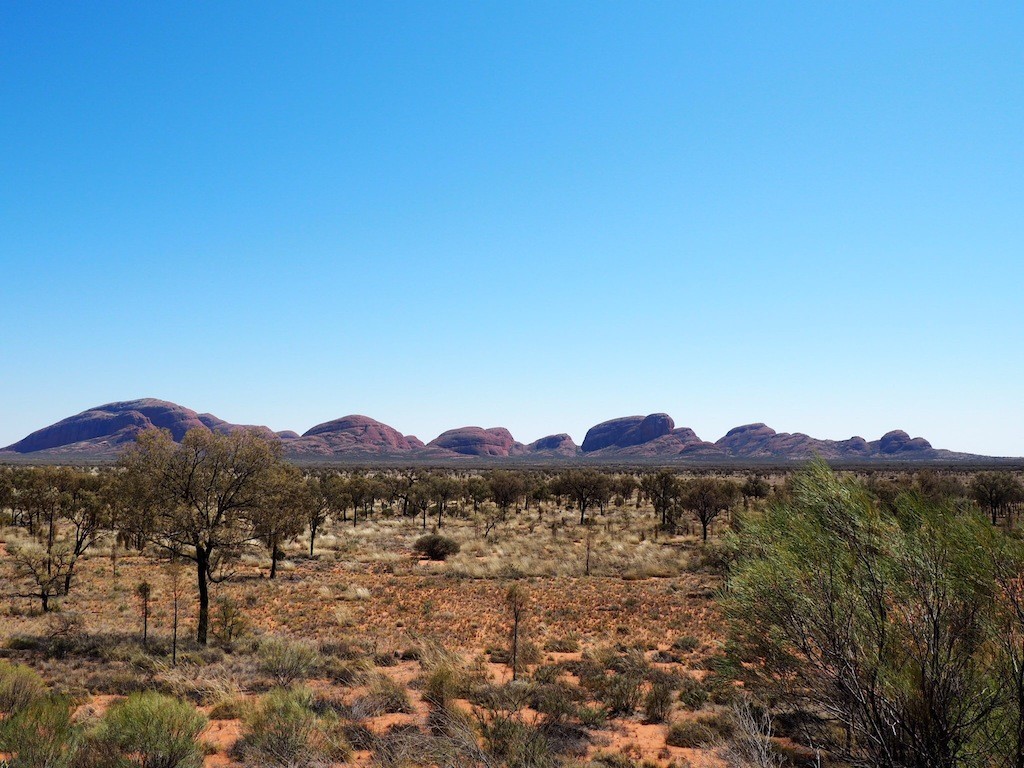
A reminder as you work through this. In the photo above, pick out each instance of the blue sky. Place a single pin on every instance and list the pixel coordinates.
(535, 215)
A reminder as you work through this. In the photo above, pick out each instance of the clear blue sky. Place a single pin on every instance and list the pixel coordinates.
(535, 215)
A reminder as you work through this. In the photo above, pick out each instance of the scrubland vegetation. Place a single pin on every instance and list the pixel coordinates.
(207, 604)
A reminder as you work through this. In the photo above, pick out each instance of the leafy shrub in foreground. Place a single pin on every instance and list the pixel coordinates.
(41, 735)
(153, 730)
(20, 686)
(284, 731)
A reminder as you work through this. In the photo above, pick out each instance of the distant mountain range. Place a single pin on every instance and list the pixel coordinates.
(103, 431)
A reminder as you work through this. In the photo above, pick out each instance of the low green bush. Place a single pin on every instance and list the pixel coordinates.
(284, 731)
(689, 734)
(287, 661)
(153, 730)
(41, 734)
(384, 696)
(658, 702)
(20, 686)
(433, 546)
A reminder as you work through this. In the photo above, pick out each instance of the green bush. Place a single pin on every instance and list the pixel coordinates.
(229, 708)
(621, 694)
(283, 731)
(384, 696)
(701, 731)
(658, 703)
(436, 547)
(516, 744)
(568, 644)
(153, 730)
(686, 644)
(41, 734)
(287, 661)
(693, 694)
(20, 686)
(442, 685)
(689, 734)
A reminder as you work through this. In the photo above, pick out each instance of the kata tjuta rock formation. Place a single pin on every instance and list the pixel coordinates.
(107, 428)
(103, 431)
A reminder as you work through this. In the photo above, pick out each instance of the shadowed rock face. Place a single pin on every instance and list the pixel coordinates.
(476, 441)
(107, 427)
(627, 431)
(554, 445)
(760, 441)
(678, 442)
(350, 434)
(899, 441)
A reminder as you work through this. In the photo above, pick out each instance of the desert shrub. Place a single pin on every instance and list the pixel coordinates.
(442, 685)
(287, 661)
(686, 644)
(700, 731)
(229, 622)
(359, 736)
(689, 734)
(515, 743)
(283, 731)
(228, 708)
(621, 694)
(24, 643)
(658, 702)
(344, 671)
(548, 673)
(384, 696)
(592, 717)
(19, 687)
(154, 731)
(611, 760)
(436, 547)
(41, 734)
(590, 672)
(693, 694)
(556, 701)
(345, 649)
(569, 644)
(751, 743)
(632, 662)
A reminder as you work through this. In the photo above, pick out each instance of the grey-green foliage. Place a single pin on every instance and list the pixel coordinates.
(41, 734)
(20, 686)
(887, 617)
(153, 730)
(284, 731)
(287, 661)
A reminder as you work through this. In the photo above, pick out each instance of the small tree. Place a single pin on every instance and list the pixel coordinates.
(205, 494)
(174, 577)
(995, 491)
(318, 507)
(43, 571)
(443, 488)
(707, 498)
(285, 511)
(585, 487)
(883, 617)
(516, 599)
(506, 488)
(663, 489)
(144, 591)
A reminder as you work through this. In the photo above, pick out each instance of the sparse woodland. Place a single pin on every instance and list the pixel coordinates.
(206, 603)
